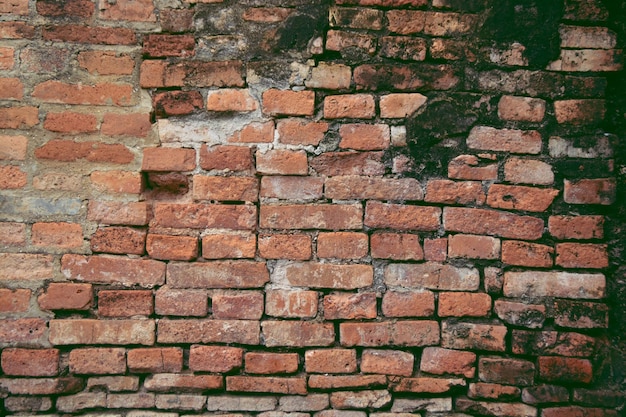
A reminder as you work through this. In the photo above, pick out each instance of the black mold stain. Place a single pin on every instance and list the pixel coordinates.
(299, 28)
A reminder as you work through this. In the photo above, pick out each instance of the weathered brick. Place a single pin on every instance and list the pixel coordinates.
(246, 305)
(205, 216)
(168, 159)
(350, 306)
(288, 103)
(25, 266)
(279, 385)
(291, 187)
(176, 103)
(166, 45)
(254, 132)
(208, 331)
(134, 400)
(473, 247)
(222, 246)
(352, 187)
(329, 76)
(74, 8)
(470, 167)
(582, 255)
(589, 60)
(580, 314)
(298, 333)
(321, 275)
(18, 7)
(504, 140)
(266, 14)
(521, 109)
(489, 391)
(396, 246)
(408, 304)
(183, 382)
(310, 402)
(155, 360)
(491, 222)
(587, 37)
(301, 132)
(178, 401)
(598, 397)
(506, 371)
(433, 405)
(14, 301)
(16, 30)
(61, 235)
(12, 177)
(464, 304)
(30, 362)
(66, 296)
(579, 111)
(577, 411)
(339, 40)
(13, 147)
(113, 383)
(125, 303)
(98, 94)
(176, 248)
(282, 162)
(113, 269)
(565, 370)
(576, 227)
(81, 401)
(119, 240)
(291, 304)
(271, 363)
(554, 284)
(105, 332)
(387, 362)
(125, 182)
(106, 62)
(590, 191)
(526, 254)
(568, 344)
(439, 361)
(428, 385)
(215, 358)
(401, 217)
(405, 77)
(329, 361)
(130, 10)
(129, 124)
(70, 122)
(229, 99)
(174, 302)
(432, 275)
(515, 197)
(203, 74)
(32, 404)
(42, 386)
(455, 192)
(217, 274)
(359, 106)
(118, 213)
(68, 150)
(401, 333)
(528, 171)
(98, 361)
(348, 163)
(342, 245)
(360, 399)
(328, 382)
(241, 403)
(57, 181)
(404, 48)
(364, 137)
(501, 409)
(474, 336)
(311, 216)
(11, 89)
(18, 117)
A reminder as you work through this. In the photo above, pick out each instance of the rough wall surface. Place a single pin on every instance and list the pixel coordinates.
(294, 208)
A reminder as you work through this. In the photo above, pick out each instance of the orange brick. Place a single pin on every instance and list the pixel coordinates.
(177, 248)
(62, 235)
(342, 245)
(400, 105)
(120, 240)
(103, 361)
(349, 163)
(254, 132)
(130, 124)
(106, 62)
(7, 58)
(582, 255)
(215, 358)
(68, 150)
(98, 94)
(396, 246)
(311, 216)
(301, 132)
(13, 147)
(491, 222)
(154, 360)
(282, 162)
(440, 361)
(12, 177)
(66, 296)
(14, 301)
(364, 137)
(576, 227)
(528, 171)
(408, 304)
(266, 14)
(278, 385)
(225, 188)
(168, 159)
(243, 305)
(175, 302)
(125, 303)
(526, 254)
(30, 362)
(504, 140)
(330, 361)
(205, 216)
(388, 362)
(70, 122)
(277, 246)
(436, 249)
(329, 382)
(152, 74)
(350, 306)
(292, 187)
(18, 7)
(464, 304)
(400, 217)
(224, 157)
(131, 10)
(102, 332)
(113, 269)
(455, 192)
(271, 363)
(16, 30)
(118, 213)
(470, 167)
(288, 103)
(229, 99)
(18, 117)
(125, 182)
(223, 246)
(521, 109)
(473, 247)
(291, 304)
(360, 106)
(11, 89)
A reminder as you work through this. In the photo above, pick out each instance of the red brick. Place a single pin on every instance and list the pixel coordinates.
(473, 247)
(271, 363)
(565, 370)
(436, 249)
(114, 213)
(488, 391)
(396, 246)
(14, 301)
(408, 304)
(183, 383)
(11, 89)
(225, 188)
(106, 62)
(173, 302)
(428, 385)
(25, 331)
(347, 381)
(506, 371)
(124, 182)
(554, 284)
(177, 248)
(98, 361)
(110, 153)
(526, 254)
(579, 111)
(165, 45)
(69, 122)
(576, 411)
(176, 103)
(18, 117)
(74, 8)
(460, 304)
(224, 157)
(220, 359)
(405, 77)
(62, 235)
(168, 159)
(101, 94)
(244, 305)
(339, 40)
(311, 216)
(359, 106)
(205, 216)
(266, 384)
(330, 361)
(301, 132)
(291, 304)
(470, 167)
(401, 217)
(113, 270)
(582, 255)
(590, 191)
(131, 10)
(67, 151)
(7, 58)
(30, 362)
(16, 30)
(504, 140)
(475, 336)
(133, 124)
(125, 303)
(528, 171)
(401, 333)
(576, 227)
(388, 362)
(321, 275)
(43, 386)
(440, 361)
(266, 14)
(223, 246)
(364, 137)
(298, 333)
(552, 343)
(153, 360)
(350, 306)
(66, 296)
(204, 74)
(368, 188)
(491, 222)
(580, 314)
(288, 102)
(329, 76)
(292, 187)
(515, 197)
(404, 48)
(254, 132)
(217, 274)
(13, 147)
(282, 162)
(342, 245)
(229, 99)
(348, 163)
(521, 109)
(12, 177)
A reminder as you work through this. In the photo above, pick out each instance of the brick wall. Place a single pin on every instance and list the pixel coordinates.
(294, 208)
